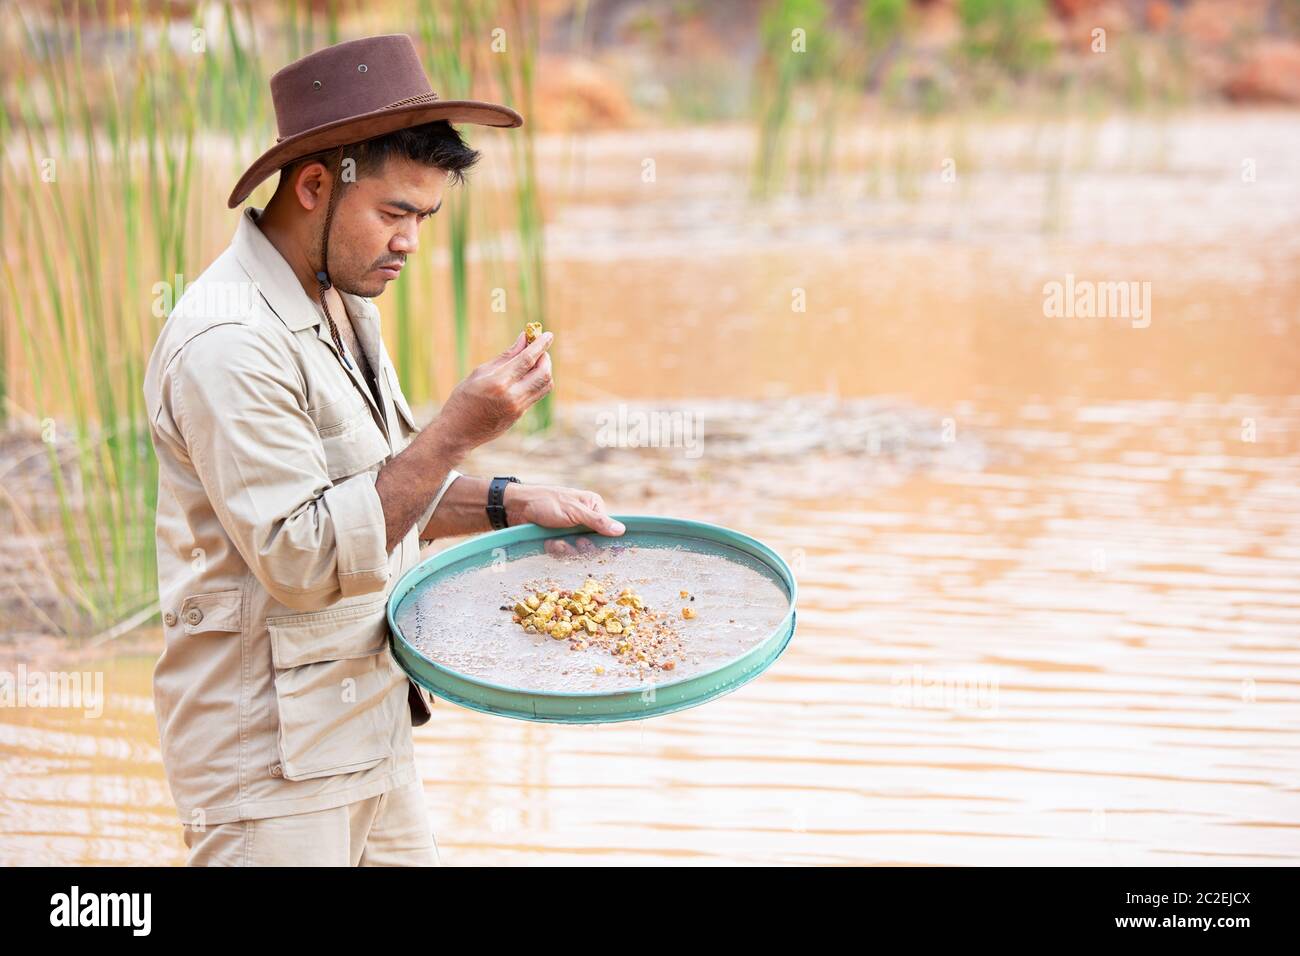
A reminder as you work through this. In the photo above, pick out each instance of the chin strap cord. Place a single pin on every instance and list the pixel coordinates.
(323, 276)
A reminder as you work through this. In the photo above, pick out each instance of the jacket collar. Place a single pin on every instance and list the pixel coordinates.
(280, 287)
(275, 280)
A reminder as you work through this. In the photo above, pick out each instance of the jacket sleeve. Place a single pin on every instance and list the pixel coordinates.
(240, 406)
(404, 411)
(425, 518)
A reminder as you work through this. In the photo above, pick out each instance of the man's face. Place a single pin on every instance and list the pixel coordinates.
(376, 224)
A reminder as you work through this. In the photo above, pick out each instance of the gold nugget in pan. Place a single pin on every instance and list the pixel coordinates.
(531, 331)
(589, 619)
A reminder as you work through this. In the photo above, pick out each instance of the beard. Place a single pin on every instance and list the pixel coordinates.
(348, 276)
(367, 288)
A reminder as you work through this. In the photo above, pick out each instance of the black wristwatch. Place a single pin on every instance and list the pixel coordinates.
(496, 503)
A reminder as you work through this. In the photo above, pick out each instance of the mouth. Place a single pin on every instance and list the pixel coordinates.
(391, 272)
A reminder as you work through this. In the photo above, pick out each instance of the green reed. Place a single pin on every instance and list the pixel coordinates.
(100, 220)
(517, 78)
(806, 78)
(93, 250)
(448, 34)
(4, 327)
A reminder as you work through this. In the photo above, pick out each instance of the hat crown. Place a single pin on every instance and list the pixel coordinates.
(346, 80)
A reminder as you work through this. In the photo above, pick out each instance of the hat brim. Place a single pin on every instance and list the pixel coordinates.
(356, 129)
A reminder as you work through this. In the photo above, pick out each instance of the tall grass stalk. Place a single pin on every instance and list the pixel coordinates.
(449, 34)
(91, 248)
(517, 77)
(803, 79)
(101, 220)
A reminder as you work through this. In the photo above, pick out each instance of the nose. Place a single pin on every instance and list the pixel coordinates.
(405, 241)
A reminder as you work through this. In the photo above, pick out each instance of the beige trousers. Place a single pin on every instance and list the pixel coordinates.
(391, 829)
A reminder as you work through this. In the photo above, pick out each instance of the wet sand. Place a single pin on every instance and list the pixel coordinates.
(458, 623)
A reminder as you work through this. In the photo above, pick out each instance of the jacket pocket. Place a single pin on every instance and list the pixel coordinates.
(334, 688)
(353, 445)
(332, 411)
(213, 612)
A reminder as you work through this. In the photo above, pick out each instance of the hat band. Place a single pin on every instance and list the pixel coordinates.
(422, 98)
(409, 101)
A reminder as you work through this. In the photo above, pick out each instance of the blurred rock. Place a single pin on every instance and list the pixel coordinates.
(1270, 74)
(1074, 9)
(1159, 15)
(935, 26)
(577, 94)
(1217, 22)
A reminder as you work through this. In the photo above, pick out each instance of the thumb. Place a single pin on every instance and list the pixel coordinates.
(600, 522)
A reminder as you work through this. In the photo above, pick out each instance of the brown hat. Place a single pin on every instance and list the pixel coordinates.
(355, 91)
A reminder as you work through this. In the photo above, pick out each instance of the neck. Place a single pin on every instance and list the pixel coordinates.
(289, 237)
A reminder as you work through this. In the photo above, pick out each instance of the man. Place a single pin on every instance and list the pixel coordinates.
(295, 487)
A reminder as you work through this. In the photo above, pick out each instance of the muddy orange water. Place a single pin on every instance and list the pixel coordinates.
(1076, 642)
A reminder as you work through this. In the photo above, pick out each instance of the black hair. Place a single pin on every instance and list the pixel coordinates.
(436, 144)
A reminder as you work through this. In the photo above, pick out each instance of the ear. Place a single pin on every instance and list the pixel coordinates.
(311, 185)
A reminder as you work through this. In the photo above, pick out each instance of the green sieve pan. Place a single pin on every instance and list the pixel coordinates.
(589, 707)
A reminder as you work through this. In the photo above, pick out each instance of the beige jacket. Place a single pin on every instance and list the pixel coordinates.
(277, 692)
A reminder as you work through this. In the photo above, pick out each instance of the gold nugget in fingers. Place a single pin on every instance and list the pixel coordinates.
(531, 331)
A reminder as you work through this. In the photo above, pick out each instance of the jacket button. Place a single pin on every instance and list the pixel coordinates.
(170, 618)
(277, 770)
(193, 616)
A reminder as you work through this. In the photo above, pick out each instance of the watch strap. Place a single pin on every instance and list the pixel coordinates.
(496, 500)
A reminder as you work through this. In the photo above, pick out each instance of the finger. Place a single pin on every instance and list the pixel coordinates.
(558, 548)
(596, 503)
(537, 382)
(508, 354)
(524, 361)
(586, 545)
(602, 523)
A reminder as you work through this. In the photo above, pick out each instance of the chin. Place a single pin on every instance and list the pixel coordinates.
(369, 288)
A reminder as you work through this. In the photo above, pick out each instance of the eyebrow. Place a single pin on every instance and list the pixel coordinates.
(410, 207)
